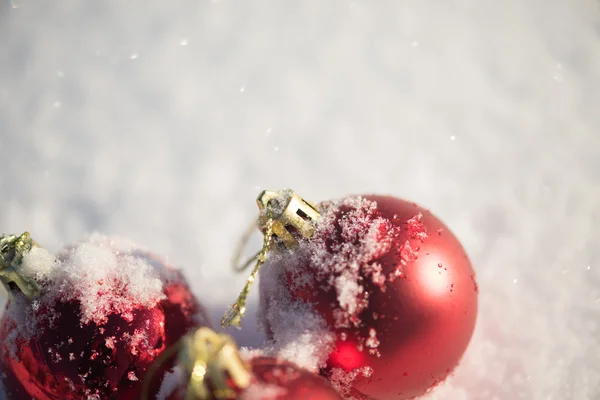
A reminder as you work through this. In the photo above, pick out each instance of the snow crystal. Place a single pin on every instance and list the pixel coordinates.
(372, 343)
(37, 263)
(132, 376)
(348, 290)
(70, 383)
(342, 380)
(278, 204)
(138, 342)
(297, 331)
(110, 342)
(103, 275)
(247, 353)
(363, 237)
(299, 334)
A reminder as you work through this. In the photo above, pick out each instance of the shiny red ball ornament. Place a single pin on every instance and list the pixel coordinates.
(391, 282)
(215, 370)
(95, 319)
(275, 379)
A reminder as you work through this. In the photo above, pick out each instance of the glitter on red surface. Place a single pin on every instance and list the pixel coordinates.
(407, 253)
(416, 227)
(286, 381)
(52, 351)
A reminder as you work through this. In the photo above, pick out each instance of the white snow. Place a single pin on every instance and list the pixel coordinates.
(341, 380)
(132, 376)
(364, 236)
(37, 263)
(299, 334)
(106, 275)
(361, 97)
(170, 383)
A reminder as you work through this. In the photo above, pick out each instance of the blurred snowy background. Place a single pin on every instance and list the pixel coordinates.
(161, 121)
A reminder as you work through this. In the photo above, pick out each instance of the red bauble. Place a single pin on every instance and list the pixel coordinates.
(275, 379)
(94, 335)
(393, 284)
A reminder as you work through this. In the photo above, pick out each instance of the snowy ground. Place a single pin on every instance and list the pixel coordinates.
(161, 121)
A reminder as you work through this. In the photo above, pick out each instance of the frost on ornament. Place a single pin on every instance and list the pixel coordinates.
(106, 309)
(363, 301)
(296, 332)
(341, 256)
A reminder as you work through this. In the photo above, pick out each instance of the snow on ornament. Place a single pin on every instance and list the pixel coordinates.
(88, 322)
(373, 291)
(214, 369)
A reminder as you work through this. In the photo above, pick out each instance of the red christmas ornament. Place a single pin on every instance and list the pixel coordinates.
(90, 322)
(391, 282)
(293, 382)
(216, 371)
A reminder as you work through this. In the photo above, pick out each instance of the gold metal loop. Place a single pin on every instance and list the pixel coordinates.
(293, 216)
(236, 312)
(237, 267)
(215, 367)
(12, 249)
(283, 215)
(212, 362)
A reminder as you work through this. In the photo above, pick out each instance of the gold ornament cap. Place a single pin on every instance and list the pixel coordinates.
(290, 213)
(284, 215)
(214, 365)
(12, 250)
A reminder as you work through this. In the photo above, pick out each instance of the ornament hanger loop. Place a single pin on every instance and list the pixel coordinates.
(234, 315)
(237, 267)
(290, 214)
(205, 356)
(283, 216)
(293, 216)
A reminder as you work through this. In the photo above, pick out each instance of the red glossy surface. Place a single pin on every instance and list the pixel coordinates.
(295, 383)
(423, 320)
(70, 360)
